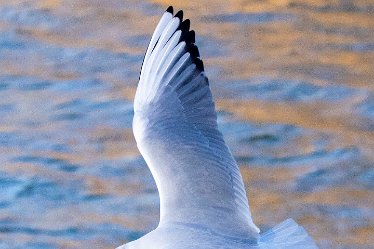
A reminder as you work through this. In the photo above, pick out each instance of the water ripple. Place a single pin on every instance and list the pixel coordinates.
(47, 161)
(248, 18)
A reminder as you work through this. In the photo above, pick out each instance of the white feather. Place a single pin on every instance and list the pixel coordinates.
(203, 202)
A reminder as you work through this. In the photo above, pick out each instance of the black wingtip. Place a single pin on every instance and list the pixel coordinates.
(185, 25)
(193, 50)
(188, 37)
(191, 37)
(170, 9)
(179, 15)
(199, 64)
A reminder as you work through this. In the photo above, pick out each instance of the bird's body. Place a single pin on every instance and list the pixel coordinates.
(203, 201)
(287, 235)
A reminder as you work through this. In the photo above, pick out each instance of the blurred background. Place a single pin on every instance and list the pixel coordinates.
(294, 88)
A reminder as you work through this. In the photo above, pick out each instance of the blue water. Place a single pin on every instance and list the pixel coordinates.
(293, 84)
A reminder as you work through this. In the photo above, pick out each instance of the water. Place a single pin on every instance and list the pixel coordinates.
(293, 83)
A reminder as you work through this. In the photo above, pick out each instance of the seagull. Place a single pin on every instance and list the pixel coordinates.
(203, 202)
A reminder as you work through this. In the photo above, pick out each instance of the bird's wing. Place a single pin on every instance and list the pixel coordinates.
(174, 107)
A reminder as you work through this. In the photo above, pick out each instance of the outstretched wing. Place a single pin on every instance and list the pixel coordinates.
(174, 107)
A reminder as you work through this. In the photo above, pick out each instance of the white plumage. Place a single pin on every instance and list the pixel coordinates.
(203, 202)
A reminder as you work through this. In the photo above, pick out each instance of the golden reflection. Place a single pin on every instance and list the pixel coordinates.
(69, 70)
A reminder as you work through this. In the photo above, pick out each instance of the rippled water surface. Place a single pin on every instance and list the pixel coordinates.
(294, 86)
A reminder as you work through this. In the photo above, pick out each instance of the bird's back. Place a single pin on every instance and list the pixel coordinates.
(287, 235)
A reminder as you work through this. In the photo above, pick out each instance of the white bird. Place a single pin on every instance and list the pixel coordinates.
(203, 202)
